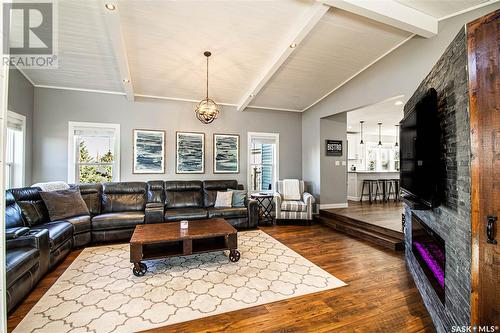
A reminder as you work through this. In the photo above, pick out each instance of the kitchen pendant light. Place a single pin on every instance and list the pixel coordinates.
(207, 110)
(397, 135)
(361, 130)
(380, 134)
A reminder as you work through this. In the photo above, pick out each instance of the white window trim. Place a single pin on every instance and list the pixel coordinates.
(71, 147)
(4, 89)
(22, 119)
(272, 136)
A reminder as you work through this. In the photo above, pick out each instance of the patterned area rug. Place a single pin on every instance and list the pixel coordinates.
(99, 293)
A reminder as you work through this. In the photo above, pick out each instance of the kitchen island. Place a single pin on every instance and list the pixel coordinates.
(355, 181)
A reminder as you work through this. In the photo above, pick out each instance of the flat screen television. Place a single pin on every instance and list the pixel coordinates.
(420, 170)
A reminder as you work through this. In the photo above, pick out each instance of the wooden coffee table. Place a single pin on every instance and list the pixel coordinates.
(162, 240)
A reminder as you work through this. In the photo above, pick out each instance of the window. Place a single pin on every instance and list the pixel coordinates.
(382, 158)
(94, 152)
(14, 150)
(263, 157)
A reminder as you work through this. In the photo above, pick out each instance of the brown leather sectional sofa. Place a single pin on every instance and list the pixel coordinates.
(35, 244)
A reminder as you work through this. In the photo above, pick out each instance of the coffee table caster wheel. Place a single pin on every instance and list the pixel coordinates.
(139, 269)
(234, 255)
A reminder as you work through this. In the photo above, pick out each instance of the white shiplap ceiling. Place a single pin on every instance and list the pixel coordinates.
(164, 43)
(166, 51)
(339, 46)
(86, 58)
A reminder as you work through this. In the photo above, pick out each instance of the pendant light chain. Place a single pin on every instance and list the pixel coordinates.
(361, 125)
(380, 134)
(207, 78)
(397, 135)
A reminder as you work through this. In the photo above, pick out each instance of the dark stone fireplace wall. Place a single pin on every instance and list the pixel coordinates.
(452, 220)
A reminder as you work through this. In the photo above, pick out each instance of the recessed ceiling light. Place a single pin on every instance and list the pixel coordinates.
(251, 95)
(293, 45)
(398, 103)
(110, 6)
(126, 81)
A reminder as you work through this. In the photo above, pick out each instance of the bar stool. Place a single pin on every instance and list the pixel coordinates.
(396, 189)
(390, 187)
(386, 185)
(371, 184)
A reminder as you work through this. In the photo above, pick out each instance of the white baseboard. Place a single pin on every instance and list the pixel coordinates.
(352, 198)
(335, 205)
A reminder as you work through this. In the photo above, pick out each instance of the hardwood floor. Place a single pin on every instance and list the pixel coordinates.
(380, 296)
(386, 215)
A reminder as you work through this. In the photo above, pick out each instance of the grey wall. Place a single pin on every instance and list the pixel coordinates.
(399, 73)
(20, 100)
(54, 108)
(452, 219)
(333, 177)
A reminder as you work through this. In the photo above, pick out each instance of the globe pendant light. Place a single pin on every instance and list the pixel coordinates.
(207, 110)
(361, 126)
(380, 134)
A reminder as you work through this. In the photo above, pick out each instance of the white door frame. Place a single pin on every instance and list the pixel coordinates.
(272, 136)
(4, 84)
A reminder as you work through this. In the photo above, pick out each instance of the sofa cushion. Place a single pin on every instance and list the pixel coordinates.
(80, 223)
(31, 204)
(210, 188)
(294, 206)
(185, 214)
(235, 212)
(18, 261)
(13, 215)
(64, 204)
(59, 232)
(123, 197)
(121, 220)
(183, 194)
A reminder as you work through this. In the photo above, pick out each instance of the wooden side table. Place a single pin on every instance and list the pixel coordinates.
(265, 202)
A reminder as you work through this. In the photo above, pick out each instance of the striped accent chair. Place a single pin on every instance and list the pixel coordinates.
(296, 209)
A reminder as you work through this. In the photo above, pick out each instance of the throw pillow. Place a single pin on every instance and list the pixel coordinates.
(64, 204)
(224, 199)
(239, 197)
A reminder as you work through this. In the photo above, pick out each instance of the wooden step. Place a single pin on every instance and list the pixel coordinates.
(357, 223)
(361, 232)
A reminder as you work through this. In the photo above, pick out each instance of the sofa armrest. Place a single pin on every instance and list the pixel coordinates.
(16, 232)
(38, 239)
(277, 205)
(309, 201)
(253, 213)
(155, 212)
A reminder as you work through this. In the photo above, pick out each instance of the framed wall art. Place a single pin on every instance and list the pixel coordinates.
(190, 152)
(226, 153)
(333, 147)
(148, 151)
